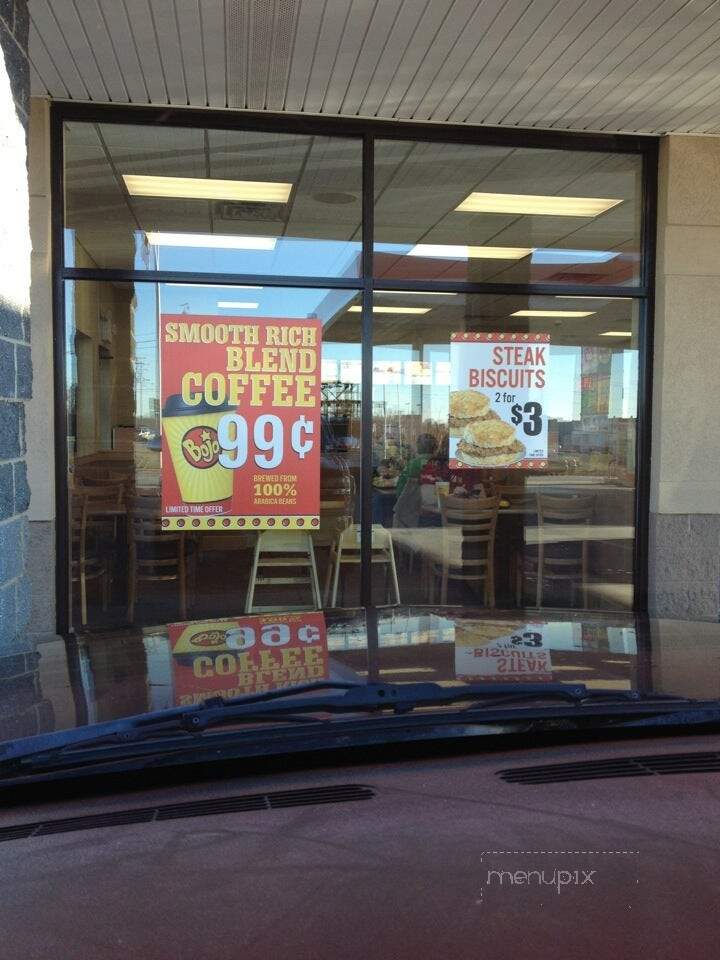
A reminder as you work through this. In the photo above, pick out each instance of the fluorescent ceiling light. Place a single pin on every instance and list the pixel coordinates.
(551, 255)
(196, 188)
(237, 305)
(358, 309)
(521, 203)
(211, 240)
(216, 286)
(553, 313)
(461, 252)
(608, 299)
(416, 293)
(617, 333)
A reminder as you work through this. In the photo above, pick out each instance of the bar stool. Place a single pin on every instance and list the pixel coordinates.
(283, 549)
(346, 550)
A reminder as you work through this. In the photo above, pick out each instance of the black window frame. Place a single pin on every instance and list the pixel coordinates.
(367, 131)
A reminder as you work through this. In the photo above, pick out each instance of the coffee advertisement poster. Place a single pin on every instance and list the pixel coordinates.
(240, 422)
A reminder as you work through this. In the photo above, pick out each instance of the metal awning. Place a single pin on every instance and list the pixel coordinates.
(648, 66)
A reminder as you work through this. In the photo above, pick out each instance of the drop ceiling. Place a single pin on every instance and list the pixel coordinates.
(644, 66)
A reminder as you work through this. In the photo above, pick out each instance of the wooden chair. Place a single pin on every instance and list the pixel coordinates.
(283, 550)
(564, 560)
(346, 550)
(468, 546)
(85, 564)
(155, 556)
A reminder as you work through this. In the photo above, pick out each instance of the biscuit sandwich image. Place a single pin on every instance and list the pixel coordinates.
(466, 407)
(490, 443)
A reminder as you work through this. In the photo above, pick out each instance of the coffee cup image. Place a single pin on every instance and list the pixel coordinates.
(191, 434)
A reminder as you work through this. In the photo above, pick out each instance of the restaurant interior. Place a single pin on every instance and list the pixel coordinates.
(560, 536)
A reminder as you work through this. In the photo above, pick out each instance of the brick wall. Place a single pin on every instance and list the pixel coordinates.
(15, 365)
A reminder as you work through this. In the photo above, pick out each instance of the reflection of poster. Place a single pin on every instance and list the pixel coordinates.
(497, 415)
(386, 372)
(231, 658)
(351, 371)
(240, 422)
(328, 370)
(418, 373)
(442, 373)
(503, 652)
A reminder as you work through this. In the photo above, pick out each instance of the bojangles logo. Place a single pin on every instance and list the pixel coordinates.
(200, 447)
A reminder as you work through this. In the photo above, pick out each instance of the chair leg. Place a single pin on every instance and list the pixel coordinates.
(540, 575)
(490, 584)
(250, 599)
(105, 587)
(444, 585)
(132, 586)
(393, 571)
(328, 575)
(336, 577)
(183, 581)
(83, 597)
(584, 573)
(314, 575)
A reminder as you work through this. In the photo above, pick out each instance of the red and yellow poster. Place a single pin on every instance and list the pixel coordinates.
(232, 658)
(498, 400)
(240, 422)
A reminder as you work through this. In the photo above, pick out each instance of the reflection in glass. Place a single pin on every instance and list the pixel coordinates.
(124, 566)
(507, 215)
(211, 201)
(558, 534)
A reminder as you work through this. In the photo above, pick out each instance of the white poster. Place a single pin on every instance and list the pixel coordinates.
(497, 409)
(519, 654)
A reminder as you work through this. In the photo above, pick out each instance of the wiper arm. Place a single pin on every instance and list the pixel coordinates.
(358, 697)
(292, 703)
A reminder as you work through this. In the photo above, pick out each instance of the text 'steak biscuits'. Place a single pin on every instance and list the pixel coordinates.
(490, 443)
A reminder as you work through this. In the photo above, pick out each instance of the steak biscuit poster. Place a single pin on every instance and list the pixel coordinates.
(498, 407)
(240, 416)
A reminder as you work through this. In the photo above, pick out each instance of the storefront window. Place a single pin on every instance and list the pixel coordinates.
(447, 211)
(489, 497)
(211, 201)
(125, 566)
(213, 442)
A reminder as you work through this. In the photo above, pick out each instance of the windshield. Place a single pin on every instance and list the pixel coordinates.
(77, 683)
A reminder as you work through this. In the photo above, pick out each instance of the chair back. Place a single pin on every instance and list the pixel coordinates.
(100, 496)
(78, 532)
(476, 518)
(567, 509)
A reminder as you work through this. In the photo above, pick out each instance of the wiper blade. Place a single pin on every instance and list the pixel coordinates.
(292, 703)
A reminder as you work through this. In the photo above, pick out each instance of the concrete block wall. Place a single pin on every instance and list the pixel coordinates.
(684, 556)
(15, 362)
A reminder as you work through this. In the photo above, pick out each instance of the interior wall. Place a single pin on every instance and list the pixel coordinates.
(685, 483)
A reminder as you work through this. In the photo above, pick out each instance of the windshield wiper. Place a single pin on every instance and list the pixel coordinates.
(294, 703)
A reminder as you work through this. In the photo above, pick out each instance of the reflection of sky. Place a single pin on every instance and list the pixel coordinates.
(292, 302)
(292, 256)
(271, 301)
(540, 255)
(563, 390)
(623, 384)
